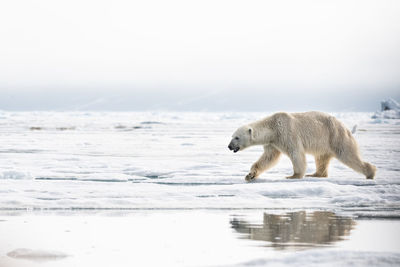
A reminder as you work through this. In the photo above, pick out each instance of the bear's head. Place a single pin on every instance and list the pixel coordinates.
(241, 139)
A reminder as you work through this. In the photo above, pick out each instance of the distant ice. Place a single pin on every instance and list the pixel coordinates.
(390, 109)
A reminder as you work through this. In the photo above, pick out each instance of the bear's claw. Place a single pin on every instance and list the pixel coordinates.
(251, 176)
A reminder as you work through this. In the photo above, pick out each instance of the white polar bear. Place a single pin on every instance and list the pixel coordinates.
(296, 134)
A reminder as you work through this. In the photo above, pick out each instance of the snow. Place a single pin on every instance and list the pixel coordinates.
(158, 160)
(14, 175)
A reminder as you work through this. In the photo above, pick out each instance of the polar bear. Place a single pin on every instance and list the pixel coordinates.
(296, 134)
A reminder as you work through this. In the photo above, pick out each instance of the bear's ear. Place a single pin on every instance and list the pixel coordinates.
(250, 132)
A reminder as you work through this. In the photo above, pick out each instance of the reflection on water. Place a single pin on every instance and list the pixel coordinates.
(296, 229)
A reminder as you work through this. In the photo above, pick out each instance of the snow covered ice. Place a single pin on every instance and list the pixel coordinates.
(146, 161)
(105, 160)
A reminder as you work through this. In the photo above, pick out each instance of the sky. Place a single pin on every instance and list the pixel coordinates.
(219, 55)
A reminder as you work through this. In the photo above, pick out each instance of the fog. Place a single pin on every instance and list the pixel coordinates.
(199, 55)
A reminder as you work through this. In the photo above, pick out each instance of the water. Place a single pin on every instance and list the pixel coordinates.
(196, 238)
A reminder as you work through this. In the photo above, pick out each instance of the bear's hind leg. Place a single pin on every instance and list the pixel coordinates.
(299, 164)
(353, 160)
(322, 164)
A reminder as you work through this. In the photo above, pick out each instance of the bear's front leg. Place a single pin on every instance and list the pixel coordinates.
(268, 159)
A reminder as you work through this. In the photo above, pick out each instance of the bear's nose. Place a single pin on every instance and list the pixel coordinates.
(230, 147)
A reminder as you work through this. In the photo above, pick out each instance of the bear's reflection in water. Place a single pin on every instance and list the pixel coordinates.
(296, 229)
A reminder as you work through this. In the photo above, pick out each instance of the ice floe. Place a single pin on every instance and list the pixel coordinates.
(178, 161)
(390, 109)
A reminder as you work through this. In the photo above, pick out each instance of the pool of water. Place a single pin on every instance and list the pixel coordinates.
(196, 238)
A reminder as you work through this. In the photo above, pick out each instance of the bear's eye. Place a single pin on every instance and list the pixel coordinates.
(236, 138)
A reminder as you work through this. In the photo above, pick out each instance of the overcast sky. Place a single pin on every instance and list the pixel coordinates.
(199, 55)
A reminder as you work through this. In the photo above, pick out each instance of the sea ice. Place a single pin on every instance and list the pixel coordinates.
(390, 109)
(120, 162)
(94, 165)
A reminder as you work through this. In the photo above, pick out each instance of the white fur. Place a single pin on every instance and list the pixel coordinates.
(295, 134)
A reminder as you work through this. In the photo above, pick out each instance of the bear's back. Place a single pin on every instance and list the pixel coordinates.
(316, 130)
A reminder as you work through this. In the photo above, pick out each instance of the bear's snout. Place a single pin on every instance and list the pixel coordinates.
(231, 146)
